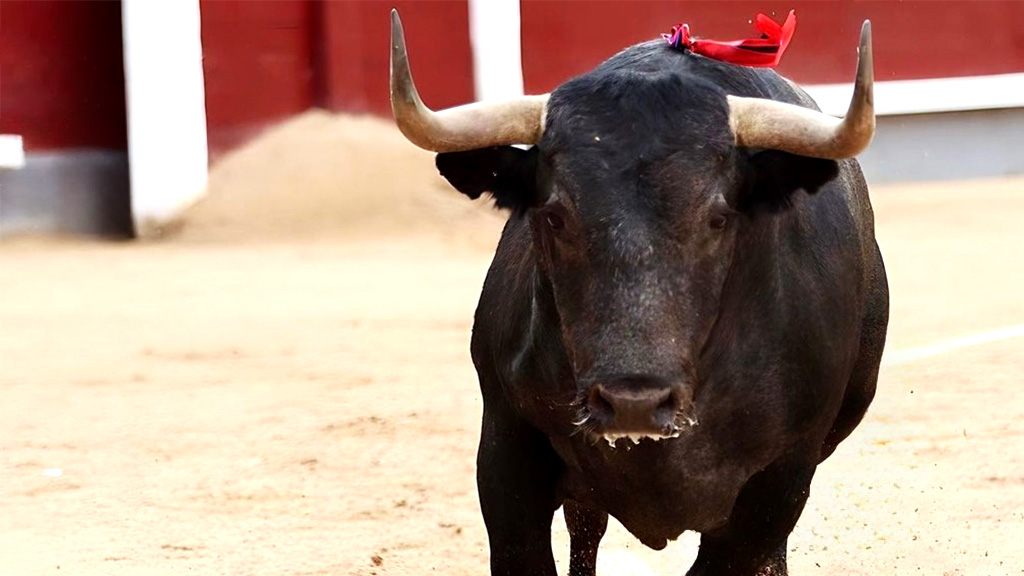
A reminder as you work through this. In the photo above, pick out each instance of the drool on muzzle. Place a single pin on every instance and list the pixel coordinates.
(637, 406)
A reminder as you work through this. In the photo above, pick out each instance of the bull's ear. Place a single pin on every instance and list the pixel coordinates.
(777, 176)
(508, 174)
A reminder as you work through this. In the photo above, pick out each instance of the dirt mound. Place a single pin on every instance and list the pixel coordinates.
(322, 175)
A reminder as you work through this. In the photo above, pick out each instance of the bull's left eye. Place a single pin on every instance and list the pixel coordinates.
(718, 221)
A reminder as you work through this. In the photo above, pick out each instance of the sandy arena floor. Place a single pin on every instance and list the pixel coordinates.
(285, 386)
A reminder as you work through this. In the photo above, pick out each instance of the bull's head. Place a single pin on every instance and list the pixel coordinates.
(637, 187)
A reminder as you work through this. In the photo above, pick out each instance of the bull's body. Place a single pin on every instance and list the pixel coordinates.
(788, 371)
(691, 264)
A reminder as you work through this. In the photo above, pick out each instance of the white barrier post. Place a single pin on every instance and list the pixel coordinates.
(497, 55)
(167, 150)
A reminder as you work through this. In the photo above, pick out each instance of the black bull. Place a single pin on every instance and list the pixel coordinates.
(675, 330)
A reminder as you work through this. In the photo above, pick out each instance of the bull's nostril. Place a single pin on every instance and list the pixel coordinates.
(665, 410)
(598, 404)
(667, 405)
(633, 405)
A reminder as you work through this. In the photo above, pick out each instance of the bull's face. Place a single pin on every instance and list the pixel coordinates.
(639, 186)
(633, 228)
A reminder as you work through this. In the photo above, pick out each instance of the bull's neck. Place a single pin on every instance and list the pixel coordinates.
(532, 344)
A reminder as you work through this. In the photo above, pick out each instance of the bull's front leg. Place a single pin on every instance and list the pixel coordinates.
(586, 528)
(516, 474)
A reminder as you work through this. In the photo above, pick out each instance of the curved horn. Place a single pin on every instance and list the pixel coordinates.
(480, 125)
(759, 123)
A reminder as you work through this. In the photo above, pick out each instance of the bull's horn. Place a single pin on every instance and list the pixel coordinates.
(480, 125)
(759, 123)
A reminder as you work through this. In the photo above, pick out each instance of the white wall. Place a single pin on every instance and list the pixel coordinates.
(12, 153)
(928, 96)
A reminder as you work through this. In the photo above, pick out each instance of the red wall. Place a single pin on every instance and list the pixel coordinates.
(62, 80)
(257, 63)
(62, 74)
(267, 60)
(356, 52)
(912, 39)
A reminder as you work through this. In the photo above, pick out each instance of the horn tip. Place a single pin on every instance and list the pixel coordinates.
(396, 24)
(865, 68)
(398, 51)
(865, 34)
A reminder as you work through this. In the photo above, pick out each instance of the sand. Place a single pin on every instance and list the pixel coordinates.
(333, 177)
(284, 386)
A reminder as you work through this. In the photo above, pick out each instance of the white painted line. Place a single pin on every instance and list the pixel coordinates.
(12, 152)
(908, 355)
(927, 96)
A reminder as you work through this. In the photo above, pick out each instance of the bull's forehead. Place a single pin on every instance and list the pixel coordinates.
(619, 145)
(640, 114)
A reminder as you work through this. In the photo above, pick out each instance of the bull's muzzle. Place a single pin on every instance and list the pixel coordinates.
(636, 407)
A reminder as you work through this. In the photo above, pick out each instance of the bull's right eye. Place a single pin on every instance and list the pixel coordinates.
(554, 221)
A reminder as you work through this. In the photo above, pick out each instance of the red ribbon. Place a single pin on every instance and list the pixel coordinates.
(765, 51)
